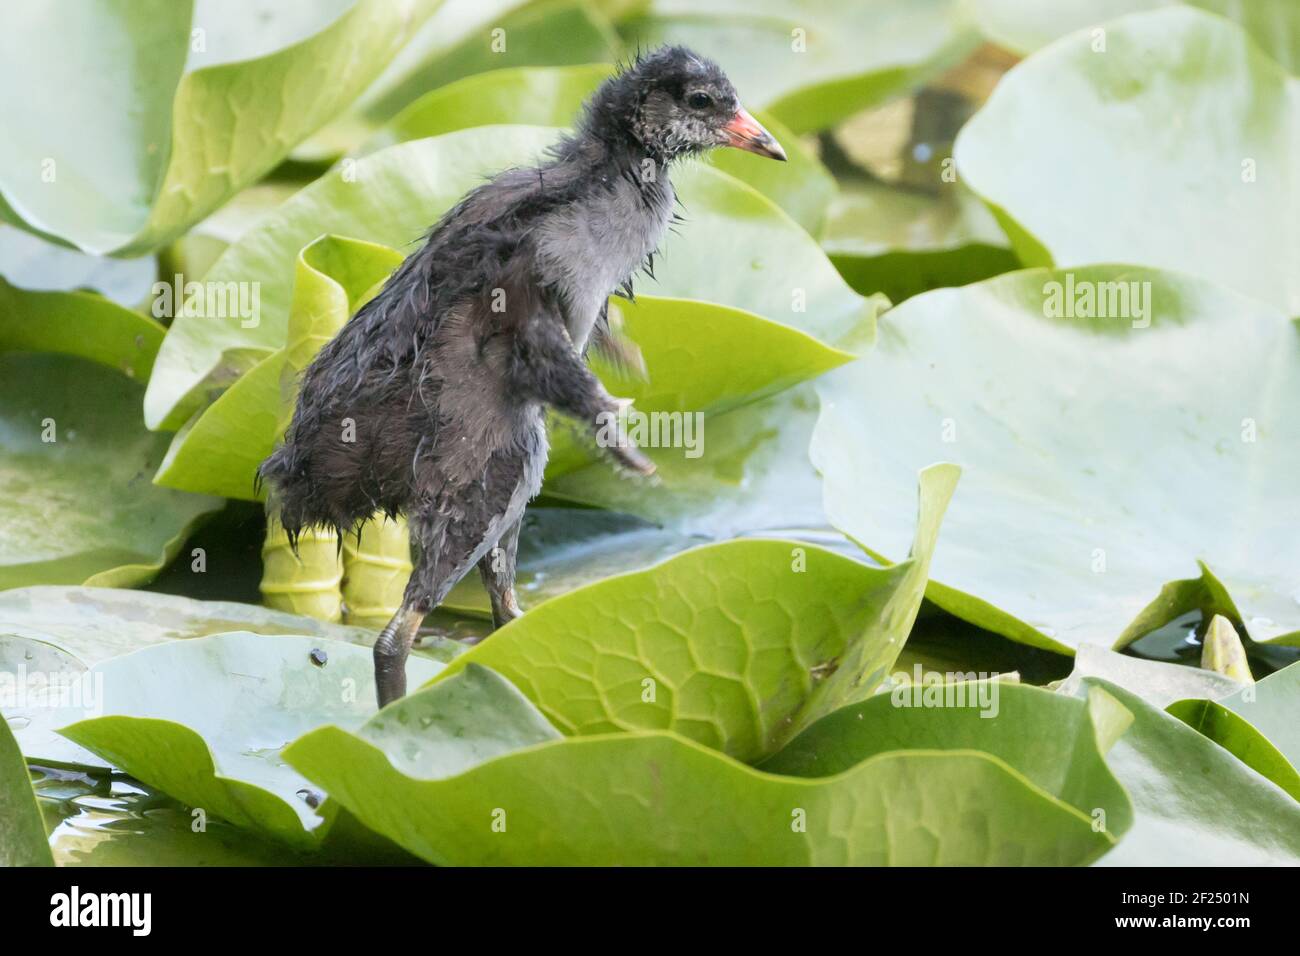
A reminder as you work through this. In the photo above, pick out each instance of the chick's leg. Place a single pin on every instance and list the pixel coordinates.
(452, 532)
(546, 367)
(497, 569)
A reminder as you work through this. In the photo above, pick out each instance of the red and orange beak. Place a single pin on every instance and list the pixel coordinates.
(745, 132)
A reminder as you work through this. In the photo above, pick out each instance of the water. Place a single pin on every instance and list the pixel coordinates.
(1180, 642)
(112, 820)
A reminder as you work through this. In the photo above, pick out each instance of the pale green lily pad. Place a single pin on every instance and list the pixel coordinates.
(1273, 706)
(1171, 149)
(22, 838)
(32, 263)
(140, 144)
(1077, 436)
(1195, 804)
(63, 630)
(1273, 24)
(205, 721)
(738, 645)
(97, 624)
(736, 248)
(653, 798)
(1156, 682)
(1260, 724)
(807, 63)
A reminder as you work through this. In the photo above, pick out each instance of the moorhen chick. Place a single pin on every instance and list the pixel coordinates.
(429, 400)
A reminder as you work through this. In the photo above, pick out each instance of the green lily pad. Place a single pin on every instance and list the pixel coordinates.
(902, 243)
(736, 248)
(737, 645)
(76, 502)
(806, 63)
(1273, 24)
(205, 721)
(1079, 512)
(553, 96)
(1057, 742)
(83, 324)
(1076, 154)
(1194, 803)
(22, 838)
(154, 129)
(1259, 724)
(654, 798)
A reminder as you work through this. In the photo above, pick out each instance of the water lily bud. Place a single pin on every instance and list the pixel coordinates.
(375, 572)
(306, 583)
(1223, 652)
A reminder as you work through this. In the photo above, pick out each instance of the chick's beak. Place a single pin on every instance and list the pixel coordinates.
(745, 132)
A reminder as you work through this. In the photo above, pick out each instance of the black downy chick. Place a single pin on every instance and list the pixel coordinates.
(429, 400)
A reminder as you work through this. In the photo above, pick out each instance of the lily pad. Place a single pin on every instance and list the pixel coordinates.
(1077, 155)
(35, 264)
(1057, 742)
(83, 324)
(22, 838)
(1078, 435)
(901, 242)
(94, 625)
(736, 248)
(150, 130)
(60, 631)
(755, 477)
(1273, 24)
(76, 502)
(654, 798)
(806, 63)
(1195, 804)
(1156, 682)
(205, 721)
(737, 645)
(1258, 724)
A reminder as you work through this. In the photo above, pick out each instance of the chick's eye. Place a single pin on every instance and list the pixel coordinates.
(699, 101)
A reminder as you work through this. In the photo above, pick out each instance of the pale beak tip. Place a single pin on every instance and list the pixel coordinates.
(745, 132)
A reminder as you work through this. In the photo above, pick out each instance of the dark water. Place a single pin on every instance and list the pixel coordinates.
(1180, 642)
